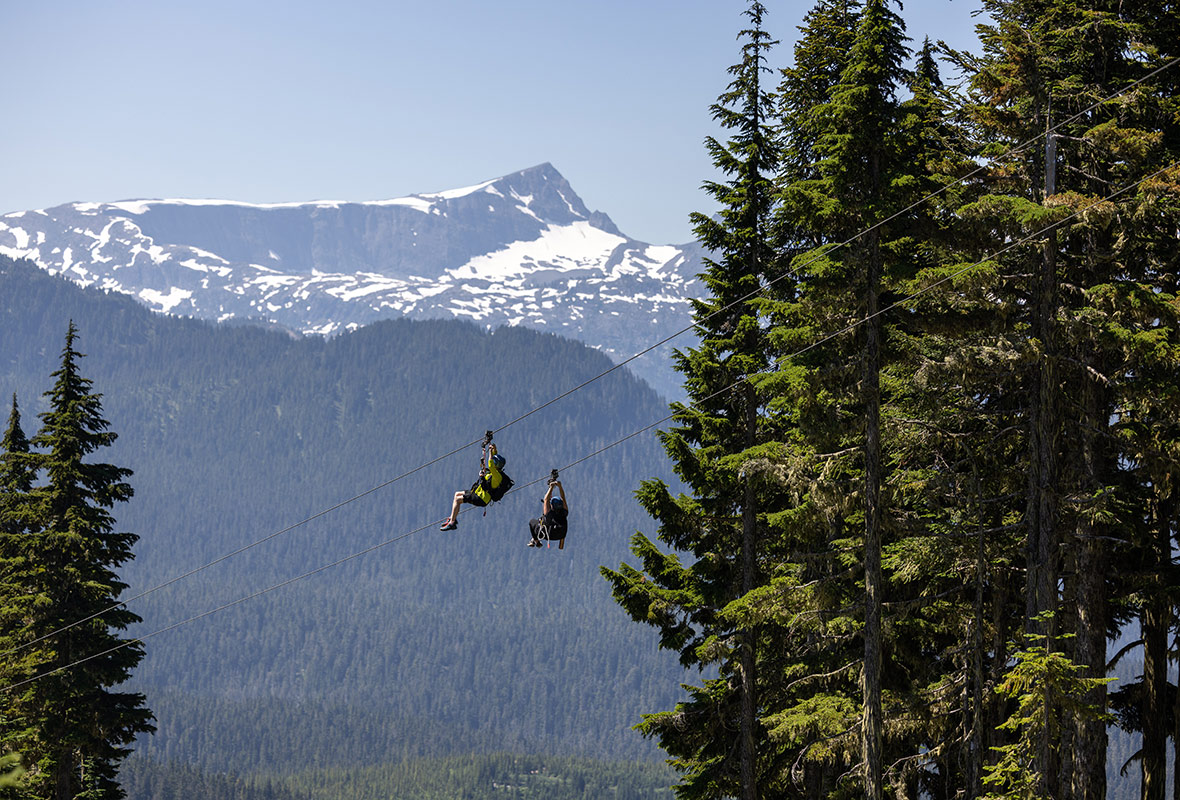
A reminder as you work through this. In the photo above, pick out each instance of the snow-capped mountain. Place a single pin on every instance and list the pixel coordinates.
(518, 250)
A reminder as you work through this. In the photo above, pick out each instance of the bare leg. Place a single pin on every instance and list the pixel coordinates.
(455, 506)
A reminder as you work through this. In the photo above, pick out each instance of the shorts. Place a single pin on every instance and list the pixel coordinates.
(474, 499)
(535, 528)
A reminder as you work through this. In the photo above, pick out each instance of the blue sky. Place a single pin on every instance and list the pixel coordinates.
(269, 101)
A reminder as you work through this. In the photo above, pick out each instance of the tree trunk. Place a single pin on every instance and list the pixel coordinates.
(749, 712)
(1156, 620)
(1155, 678)
(1041, 549)
(974, 771)
(872, 724)
(63, 777)
(1041, 552)
(1089, 751)
(1091, 739)
(1176, 738)
(1004, 627)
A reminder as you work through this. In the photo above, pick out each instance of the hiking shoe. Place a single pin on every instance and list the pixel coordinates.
(449, 525)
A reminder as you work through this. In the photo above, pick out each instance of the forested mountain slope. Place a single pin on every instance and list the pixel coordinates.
(425, 645)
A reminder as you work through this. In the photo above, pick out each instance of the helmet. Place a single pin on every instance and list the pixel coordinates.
(555, 501)
(499, 461)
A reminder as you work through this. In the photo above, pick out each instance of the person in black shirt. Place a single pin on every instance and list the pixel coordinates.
(551, 525)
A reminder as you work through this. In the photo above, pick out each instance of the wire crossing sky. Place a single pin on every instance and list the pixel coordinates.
(1012, 151)
(831, 335)
(268, 101)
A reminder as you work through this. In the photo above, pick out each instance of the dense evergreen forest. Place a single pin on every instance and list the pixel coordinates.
(478, 777)
(433, 645)
(931, 439)
(917, 510)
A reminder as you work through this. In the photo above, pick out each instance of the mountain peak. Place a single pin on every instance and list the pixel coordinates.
(521, 249)
(552, 198)
(543, 192)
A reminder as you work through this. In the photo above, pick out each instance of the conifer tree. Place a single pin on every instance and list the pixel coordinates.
(17, 476)
(1043, 685)
(1141, 134)
(948, 460)
(1100, 336)
(66, 720)
(832, 394)
(865, 104)
(717, 446)
(818, 59)
(10, 764)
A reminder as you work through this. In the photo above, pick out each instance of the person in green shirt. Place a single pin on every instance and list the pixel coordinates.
(492, 485)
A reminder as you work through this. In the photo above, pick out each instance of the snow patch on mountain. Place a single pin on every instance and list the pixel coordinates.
(559, 248)
(164, 302)
(518, 250)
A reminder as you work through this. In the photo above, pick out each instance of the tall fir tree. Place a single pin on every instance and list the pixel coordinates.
(67, 721)
(17, 472)
(17, 477)
(1140, 282)
(862, 174)
(1099, 322)
(866, 113)
(716, 737)
(942, 481)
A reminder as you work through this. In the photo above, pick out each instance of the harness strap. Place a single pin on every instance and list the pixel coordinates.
(482, 464)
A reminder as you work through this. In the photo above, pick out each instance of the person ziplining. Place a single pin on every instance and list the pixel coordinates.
(493, 483)
(553, 522)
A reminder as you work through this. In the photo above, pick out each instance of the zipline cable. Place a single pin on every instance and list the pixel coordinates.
(860, 321)
(212, 611)
(240, 550)
(778, 363)
(826, 250)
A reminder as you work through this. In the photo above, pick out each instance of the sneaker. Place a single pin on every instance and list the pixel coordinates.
(449, 525)
(534, 543)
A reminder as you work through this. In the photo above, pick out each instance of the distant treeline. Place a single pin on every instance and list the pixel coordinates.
(473, 777)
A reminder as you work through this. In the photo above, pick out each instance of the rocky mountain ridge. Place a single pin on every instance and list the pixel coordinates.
(522, 249)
